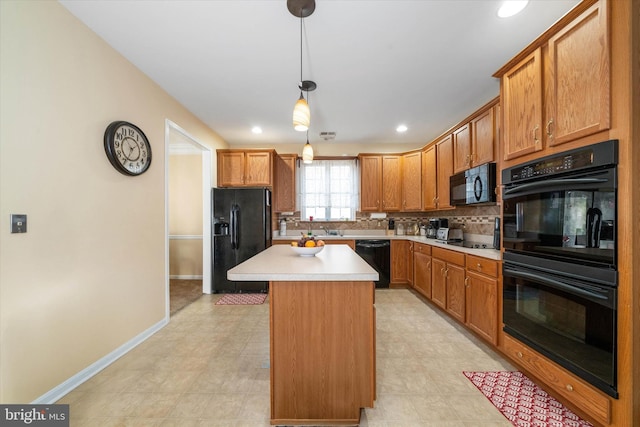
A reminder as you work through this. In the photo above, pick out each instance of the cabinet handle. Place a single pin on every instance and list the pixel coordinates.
(468, 159)
(466, 282)
(429, 265)
(479, 267)
(535, 135)
(442, 271)
(569, 387)
(446, 273)
(549, 133)
(519, 354)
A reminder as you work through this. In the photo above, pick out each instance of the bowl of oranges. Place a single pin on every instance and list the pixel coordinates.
(307, 246)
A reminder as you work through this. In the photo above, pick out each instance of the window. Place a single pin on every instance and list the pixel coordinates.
(328, 190)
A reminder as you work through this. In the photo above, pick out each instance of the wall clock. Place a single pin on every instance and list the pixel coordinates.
(127, 148)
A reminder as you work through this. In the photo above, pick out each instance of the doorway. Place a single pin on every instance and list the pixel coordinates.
(187, 213)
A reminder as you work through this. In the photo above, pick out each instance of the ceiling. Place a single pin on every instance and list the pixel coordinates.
(235, 64)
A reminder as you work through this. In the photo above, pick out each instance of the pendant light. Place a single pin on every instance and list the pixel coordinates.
(307, 152)
(301, 112)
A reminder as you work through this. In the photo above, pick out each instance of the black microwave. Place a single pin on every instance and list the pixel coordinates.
(473, 186)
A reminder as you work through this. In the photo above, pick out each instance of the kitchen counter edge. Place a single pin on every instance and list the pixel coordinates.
(493, 254)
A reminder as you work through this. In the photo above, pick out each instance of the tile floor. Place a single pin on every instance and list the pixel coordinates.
(209, 367)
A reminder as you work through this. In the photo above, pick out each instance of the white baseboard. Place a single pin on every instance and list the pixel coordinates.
(185, 277)
(64, 388)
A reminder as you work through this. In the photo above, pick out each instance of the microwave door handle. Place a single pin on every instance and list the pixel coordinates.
(550, 182)
(553, 283)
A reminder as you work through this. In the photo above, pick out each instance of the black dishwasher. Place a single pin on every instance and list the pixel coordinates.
(377, 253)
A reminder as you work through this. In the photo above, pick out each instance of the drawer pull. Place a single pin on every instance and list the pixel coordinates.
(569, 387)
(519, 354)
(479, 266)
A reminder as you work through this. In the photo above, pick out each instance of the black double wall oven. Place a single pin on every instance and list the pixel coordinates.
(560, 260)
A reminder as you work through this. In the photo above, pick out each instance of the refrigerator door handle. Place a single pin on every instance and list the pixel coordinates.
(234, 226)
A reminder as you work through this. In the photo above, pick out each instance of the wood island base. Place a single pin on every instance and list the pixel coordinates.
(322, 348)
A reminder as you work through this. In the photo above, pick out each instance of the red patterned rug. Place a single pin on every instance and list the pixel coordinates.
(242, 299)
(522, 402)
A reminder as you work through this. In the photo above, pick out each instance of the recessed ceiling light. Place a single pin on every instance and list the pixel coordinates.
(256, 129)
(511, 7)
(401, 129)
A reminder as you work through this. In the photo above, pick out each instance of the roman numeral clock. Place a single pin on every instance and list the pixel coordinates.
(127, 148)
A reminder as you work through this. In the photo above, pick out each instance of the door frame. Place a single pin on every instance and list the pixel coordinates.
(171, 128)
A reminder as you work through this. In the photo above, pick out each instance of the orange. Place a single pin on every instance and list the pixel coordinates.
(310, 244)
(320, 243)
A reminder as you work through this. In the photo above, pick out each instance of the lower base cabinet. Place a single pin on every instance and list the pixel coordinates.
(422, 269)
(582, 396)
(482, 297)
(447, 281)
(401, 263)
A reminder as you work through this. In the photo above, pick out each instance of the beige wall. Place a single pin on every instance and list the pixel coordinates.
(185, 215)
(90, 274)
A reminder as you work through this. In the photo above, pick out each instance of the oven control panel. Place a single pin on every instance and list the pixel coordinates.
(553, 165)
(595, 155)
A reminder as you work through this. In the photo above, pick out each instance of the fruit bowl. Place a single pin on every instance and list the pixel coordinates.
(307, 251)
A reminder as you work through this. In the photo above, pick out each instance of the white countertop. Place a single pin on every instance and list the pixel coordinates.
(493, 254)
(281, 263)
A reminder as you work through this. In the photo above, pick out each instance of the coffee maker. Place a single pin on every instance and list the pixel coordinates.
(434, 224)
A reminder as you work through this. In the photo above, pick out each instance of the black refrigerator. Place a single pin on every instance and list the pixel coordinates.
(241, 227)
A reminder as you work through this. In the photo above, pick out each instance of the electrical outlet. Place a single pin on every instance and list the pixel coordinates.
(18, 223)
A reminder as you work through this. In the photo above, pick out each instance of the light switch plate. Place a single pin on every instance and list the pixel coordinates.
(18, 223)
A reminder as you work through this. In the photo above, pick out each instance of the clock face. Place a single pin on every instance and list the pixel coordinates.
(127, 148)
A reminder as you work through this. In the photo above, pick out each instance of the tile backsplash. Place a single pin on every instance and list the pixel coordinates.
(472, 219)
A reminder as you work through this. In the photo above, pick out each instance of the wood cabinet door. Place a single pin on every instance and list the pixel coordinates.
(578, 101)
(370, 183)
(422, 272)
(444, 157)
(399, 262)
(438, 282)
(412, 182)
(258, 168)
(483, 138)
(429, 179)
(230, 169)
(482, 306)
(522, 107)
(456, 295)
(285, 183)
(462, 148)
(391, 183)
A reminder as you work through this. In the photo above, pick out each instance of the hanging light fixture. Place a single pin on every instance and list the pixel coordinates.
(307, 152)
(301, 112)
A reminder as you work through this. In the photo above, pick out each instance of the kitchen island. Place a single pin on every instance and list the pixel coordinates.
(322, 333)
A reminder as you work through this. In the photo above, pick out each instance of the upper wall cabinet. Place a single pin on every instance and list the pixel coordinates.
(474, 142)
(245, 168)
(412, 181)
(429, 179)
(522, 107)
(284, 189)
(437, 168)
(380, 183)
(578, 87)
(567, 101)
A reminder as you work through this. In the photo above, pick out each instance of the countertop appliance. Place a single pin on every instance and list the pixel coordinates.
(377, 253)
(474, 186)
(434, 225)
(241, 229)
(445, 234)
(559, 263)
